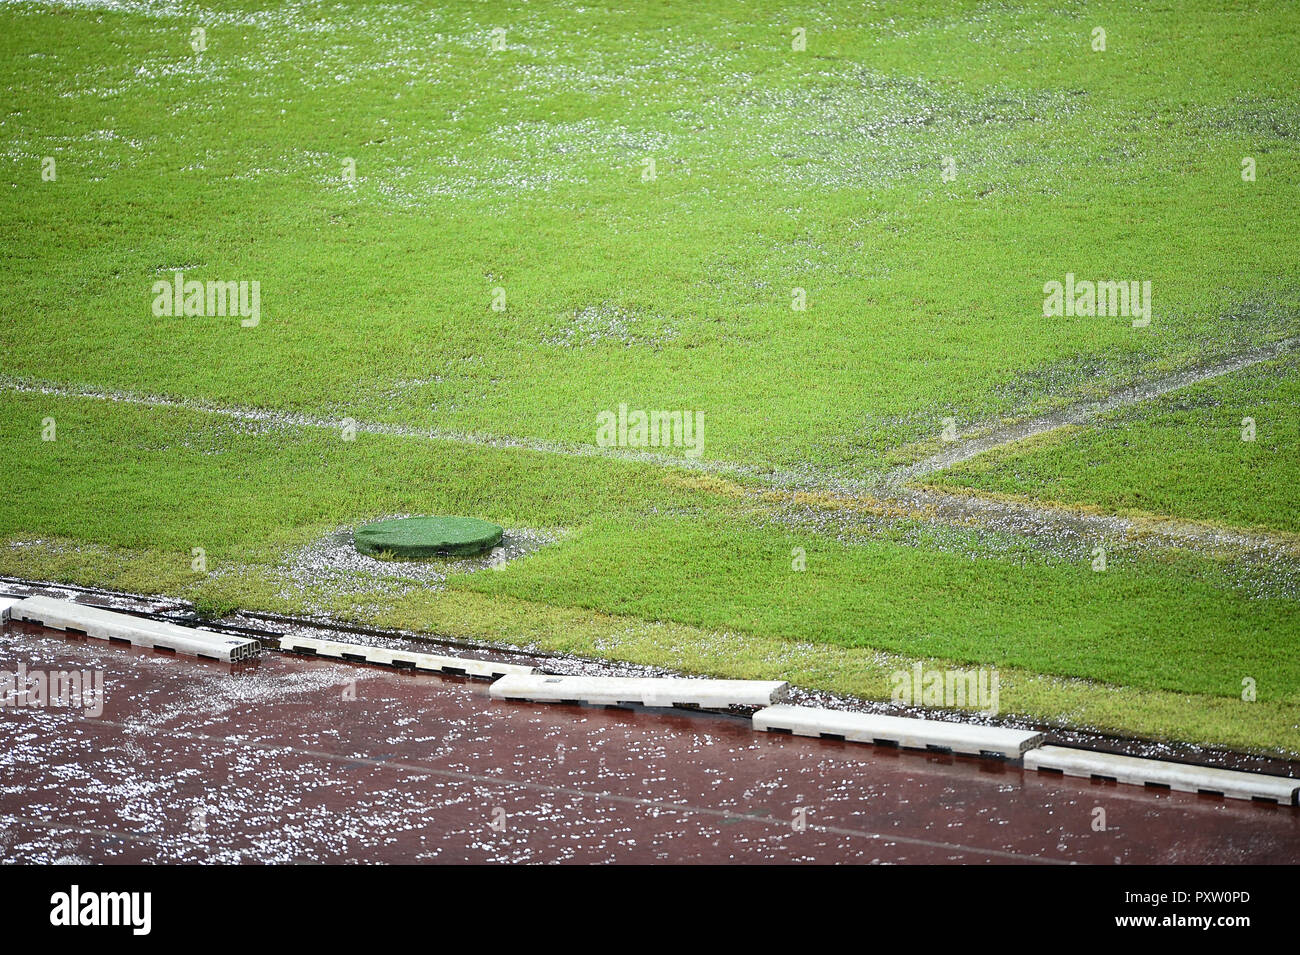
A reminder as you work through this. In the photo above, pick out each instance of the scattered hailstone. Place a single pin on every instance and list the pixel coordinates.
(608, 322)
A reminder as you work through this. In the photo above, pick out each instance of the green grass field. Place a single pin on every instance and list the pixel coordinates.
(1190, 452)
(472, 243)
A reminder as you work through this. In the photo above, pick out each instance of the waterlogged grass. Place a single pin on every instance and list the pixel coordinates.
(1061, 619)
(1185, 454)
(386, 176)
(521, 169)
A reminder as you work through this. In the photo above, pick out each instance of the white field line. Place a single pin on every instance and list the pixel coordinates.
(298, 420)
(983, 440)
(939, 507)
(962, 450)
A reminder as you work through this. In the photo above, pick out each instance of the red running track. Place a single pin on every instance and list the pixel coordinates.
(296, 759)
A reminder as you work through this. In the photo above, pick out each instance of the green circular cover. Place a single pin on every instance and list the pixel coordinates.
(427, 536)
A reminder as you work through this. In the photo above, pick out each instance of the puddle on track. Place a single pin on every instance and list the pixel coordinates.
(293, 759)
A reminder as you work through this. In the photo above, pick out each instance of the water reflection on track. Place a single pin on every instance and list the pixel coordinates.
(303, 760)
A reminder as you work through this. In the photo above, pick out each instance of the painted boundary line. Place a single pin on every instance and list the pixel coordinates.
(298, 420)
(963, 450)
(889, 493)
(966, 448)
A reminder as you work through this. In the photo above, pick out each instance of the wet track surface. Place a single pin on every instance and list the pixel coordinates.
(302, 760)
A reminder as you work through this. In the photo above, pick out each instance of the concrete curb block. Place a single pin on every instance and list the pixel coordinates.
(519, 682)
(1137, 771)
(403, 659)
(123, 628)
(907, 732)
(646, 691)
